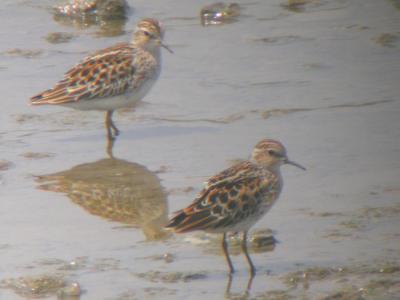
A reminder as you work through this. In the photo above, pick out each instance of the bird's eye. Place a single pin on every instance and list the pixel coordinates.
(273, 152)
(146, 33)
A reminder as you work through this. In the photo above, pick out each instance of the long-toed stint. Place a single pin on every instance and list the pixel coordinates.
(112, 78)
(235, 199)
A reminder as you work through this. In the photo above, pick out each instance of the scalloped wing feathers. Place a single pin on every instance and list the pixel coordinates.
(233, 196)
(108, 72)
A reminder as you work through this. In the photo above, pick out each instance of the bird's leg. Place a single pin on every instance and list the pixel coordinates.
(225, 249)
(108, 125)
(244, 249)
(116, 130)
(109, 148)
(112, 130)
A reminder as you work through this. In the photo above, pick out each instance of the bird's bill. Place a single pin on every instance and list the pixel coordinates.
(289, 162)
(166, 47)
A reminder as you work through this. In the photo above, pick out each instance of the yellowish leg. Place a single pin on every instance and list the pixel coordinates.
(112, 130)
(228, 259)
(244, 249)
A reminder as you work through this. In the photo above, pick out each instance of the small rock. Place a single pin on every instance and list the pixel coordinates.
(72, 289)
(219, 13)
(103, 9)
(34, 286)
(168, 257)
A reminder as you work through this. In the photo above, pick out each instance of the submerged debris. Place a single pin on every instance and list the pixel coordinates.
(83, 9)
(219, 13)
(110, 15)
(37, 155)
(58, 37)
(376, 271)
(27, 53)
(171, 277)
(166, 257)
(297, 5)
(310, 274)
(386, 40)
(159, 292)
(362, 220)
(5, 165)
(280, 40)
(75, 264)
(71, 290)
(357, 27)
(261, 240)
(273, 295)
(36, 286)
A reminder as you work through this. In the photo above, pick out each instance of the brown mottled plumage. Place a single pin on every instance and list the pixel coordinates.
(115, 77)
(235, 199)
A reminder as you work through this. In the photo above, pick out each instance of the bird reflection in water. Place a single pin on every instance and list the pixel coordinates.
(117, 190)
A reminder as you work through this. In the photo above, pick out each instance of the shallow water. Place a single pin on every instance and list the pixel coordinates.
(323, 80)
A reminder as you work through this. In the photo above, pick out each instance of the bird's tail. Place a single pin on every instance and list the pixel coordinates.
(39, 98)
(176, 221)
(56, 95)
(189, 220)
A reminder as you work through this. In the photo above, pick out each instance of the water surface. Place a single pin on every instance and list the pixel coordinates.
(323, 79)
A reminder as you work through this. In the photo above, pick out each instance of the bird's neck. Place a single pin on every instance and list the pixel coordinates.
(273, 168)
(152, 49)
(276, 171)
(156, 52)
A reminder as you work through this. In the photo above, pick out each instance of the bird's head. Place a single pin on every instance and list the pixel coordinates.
(149, 34)
(271, 154)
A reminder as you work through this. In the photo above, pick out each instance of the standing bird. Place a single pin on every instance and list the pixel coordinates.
(115, 77)
(235, 199)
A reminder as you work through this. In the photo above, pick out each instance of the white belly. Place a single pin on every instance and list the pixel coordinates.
(243, 225)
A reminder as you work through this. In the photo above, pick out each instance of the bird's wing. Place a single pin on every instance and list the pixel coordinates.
(231, 173)
(229, 199)
(105, 73)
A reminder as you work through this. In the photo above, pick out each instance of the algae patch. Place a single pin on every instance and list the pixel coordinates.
(171, 277)
(36, 286)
